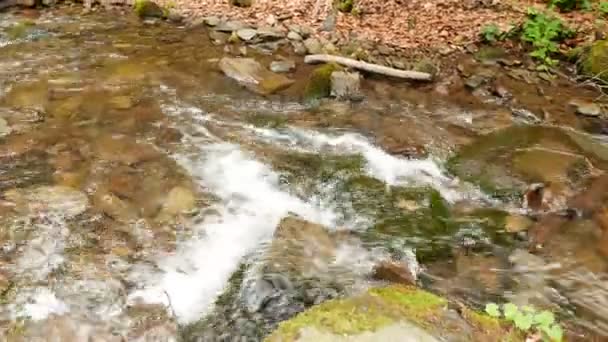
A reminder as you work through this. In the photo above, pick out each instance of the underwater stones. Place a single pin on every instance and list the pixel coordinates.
(124, 149)
(60, 200)
(121, 102)
(148, 9)
(250, 73)
(116, 208)
(179, 200)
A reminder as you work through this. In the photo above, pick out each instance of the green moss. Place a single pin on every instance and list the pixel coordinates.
(267, 120)
(148, 9)
(595, 62)
(323, 167)
(346, 6)
(319, 83)
(368, 312)
(490, 53)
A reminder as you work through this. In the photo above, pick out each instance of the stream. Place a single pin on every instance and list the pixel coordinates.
(145, 196)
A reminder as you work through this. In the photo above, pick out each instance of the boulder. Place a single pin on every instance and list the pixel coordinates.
(586, 108)
(211, 21)
(250, 73)
(346, 85)
(294, 36)
(148, 9)
(319, 83)
(394, 313)
(594, 62)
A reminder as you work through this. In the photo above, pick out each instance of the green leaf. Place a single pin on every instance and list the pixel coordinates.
(555, 333)
(510, 310)
(492, 310)
(545, 318)
(522, 321)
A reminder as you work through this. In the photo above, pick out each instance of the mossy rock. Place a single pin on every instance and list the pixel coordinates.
(595, 62)
(148, 9)
(346, 6)
(241, 3)
(267, 120)
(382, 307)
(319, 83)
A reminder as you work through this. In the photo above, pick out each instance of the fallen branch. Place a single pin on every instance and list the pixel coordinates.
(375, 68)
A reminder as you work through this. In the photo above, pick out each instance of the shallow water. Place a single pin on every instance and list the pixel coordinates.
(142, 191)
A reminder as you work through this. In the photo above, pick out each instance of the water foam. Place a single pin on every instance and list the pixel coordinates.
(252, 205)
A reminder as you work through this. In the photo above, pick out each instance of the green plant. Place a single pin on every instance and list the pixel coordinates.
(491, 33)
(528, 320)
(346, 6)
(570, 5)
(544, 31)
(602, 7)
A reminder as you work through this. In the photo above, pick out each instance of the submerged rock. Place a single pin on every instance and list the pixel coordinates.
(249, 73)
(49, 199)
(376, 313)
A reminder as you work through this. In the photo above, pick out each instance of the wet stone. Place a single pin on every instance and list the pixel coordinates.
(249, 73)
(346, 85)
(586, 108)
(246, 34)
(282, 66)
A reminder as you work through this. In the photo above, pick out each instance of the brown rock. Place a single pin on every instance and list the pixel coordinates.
(517, 223)
(123, 182)
(114, 207)
(124, 149)
(394, 272)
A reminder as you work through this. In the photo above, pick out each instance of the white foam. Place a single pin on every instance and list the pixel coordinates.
(38, 304)
(252, 205)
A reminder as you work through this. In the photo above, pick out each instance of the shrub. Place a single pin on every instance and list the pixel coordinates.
(528, 320)
(571, 5)
(544, 31)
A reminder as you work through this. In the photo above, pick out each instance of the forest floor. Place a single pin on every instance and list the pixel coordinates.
(408, 24)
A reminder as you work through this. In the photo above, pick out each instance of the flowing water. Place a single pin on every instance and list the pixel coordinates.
(147, 197)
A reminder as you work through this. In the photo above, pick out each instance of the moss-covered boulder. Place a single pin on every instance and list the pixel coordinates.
(389, 309)
(319, 83)
(148, 9)
(595, 61)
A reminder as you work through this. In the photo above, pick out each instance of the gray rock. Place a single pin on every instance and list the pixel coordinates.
(218, 38)
(525, 115)
(330, 48)
(267, 47)
(211, 21)
(175, 17)
(294, 36)
(313, 46)
(305, 31)
(346, 85)
(246, 34)
(298, 48)
(586, 108)
(270, 33)
(230, 26)
(4, 127)
(330, 23)
(282, 66)
(249, 73)
(474, 81)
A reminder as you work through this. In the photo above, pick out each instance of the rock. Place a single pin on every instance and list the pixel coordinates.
(253, 76)
(116, 208)
(330, 49)
(241, 3)
(517, 223)
(393, 313)
(319, 83)
(294, 36)
(313, 46)
(271, 20)
(474, 81)
(282, 66)
(394, 272)
(299, 48)
(586, 108)
(4, 128)
(59, 200)
(268, 47)
(270, 33)
(211, 21)
(148, 9)
(124, 149)
(175, 17)
(329, 24)
(525, 115)
(230, 26)
(246, 34)
(242, 51)
(218, 38)
(346, 85)
(179, 200)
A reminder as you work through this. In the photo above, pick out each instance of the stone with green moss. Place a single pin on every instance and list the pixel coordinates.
(148, 9)
(379, 308)
(594, 63)
(20, 29)
(319, 83)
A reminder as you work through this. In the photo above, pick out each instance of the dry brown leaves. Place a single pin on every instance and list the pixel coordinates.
(401, 23)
